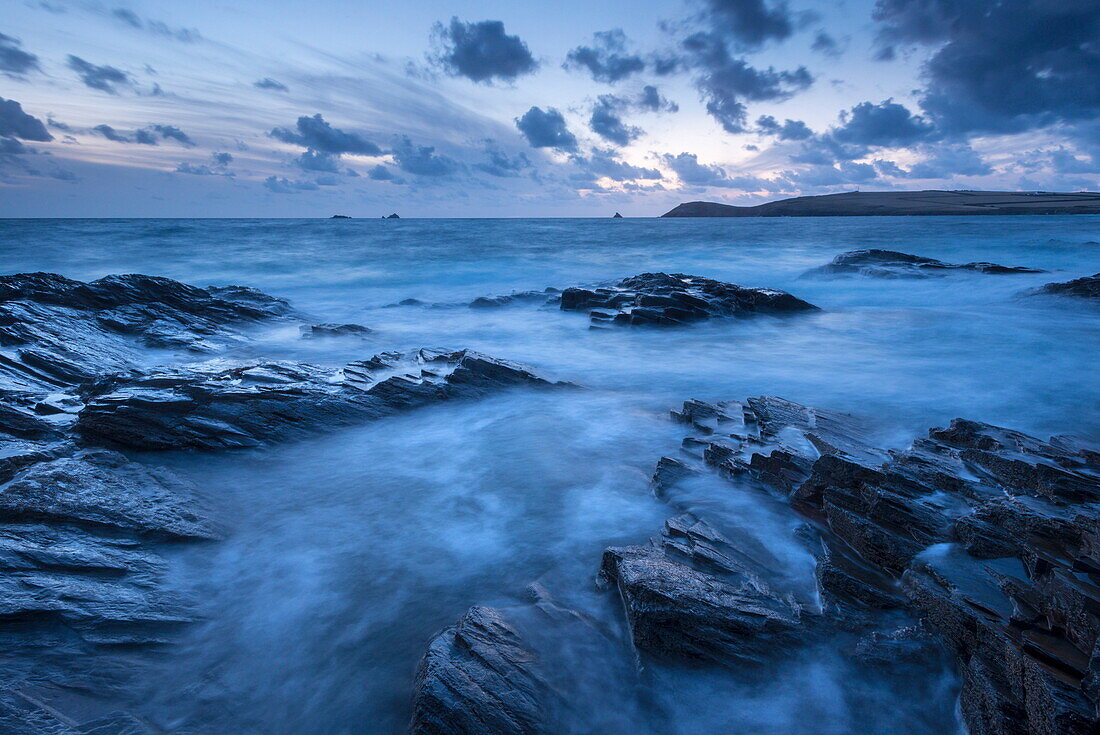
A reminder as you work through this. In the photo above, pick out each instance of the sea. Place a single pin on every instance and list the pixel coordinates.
(344, 554)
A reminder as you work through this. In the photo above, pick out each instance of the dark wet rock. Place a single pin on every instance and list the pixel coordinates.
(891, 264)
(674, 299)
(1087, 287)
(911, 646)
(690, 596)
(478, 677)
(213, 407)
(990, 535)
(328, 329)
(58, 332)
(103, 488)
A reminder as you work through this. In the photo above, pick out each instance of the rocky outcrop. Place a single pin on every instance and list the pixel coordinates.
(991, 536)
(665, 299)
(218, 407)
(891, 264)
(547, 296)
(56, 332)
(1087, 287)
(478, 677)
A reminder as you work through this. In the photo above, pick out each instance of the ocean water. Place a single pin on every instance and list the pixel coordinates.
(345, 553)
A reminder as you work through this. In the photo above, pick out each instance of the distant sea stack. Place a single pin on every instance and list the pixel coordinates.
(617, 216)
(897, 203)
(339, 216)
(392, 216)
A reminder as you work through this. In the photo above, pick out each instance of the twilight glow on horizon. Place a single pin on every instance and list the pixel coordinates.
(284, 109)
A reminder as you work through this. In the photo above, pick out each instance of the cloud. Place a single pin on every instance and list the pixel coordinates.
(14, 123)
(606, 59)
(422, 160)
(608, 124)
(13, 59)
(272, 84)
(133, 20)
(726, 82)
(887, 124)
(603, 163)
(150, 135)
(222, 159)
(788, 130)
(282, 185)
(825, 44)
(316, 134)
(749, 23)
(546, 129)
(948, 162)
(104, 78)
(501, 165)
(1000, 65)
(482, 52)
(686, 166)
(216, 168)
(650, 99)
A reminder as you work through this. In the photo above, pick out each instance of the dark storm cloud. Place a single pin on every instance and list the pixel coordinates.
(422, 160)
(482, 51)
(727, 82)
(317, 135)
(1001, 65)
(104, 78)
(749, 23)
(15, 123)
(887, 124)
(132, 19)
(606, 58)
(788, 130)
(546, 129)
(13, 59)
(269, 83)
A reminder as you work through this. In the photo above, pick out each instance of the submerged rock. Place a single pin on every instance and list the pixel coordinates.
(546, 296)
(214, 407)
(990, 535)
(675, 299)
(478, 677)
(329, 329)
(891, 264)
(1087, 287)
(57, 332)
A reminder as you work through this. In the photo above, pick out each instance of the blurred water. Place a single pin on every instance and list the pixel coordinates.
(344, 554)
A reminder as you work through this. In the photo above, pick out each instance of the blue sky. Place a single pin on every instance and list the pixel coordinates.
(433, 108)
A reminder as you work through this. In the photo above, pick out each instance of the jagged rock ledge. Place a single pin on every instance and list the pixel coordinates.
(891, 264)
(664, 299)
(1087, 287)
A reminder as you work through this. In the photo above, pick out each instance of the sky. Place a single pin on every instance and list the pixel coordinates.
(273, 108)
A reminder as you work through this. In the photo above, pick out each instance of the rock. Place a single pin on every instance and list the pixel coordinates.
(339, 216)
(102, 488)
(546, 296)
(392, 216)
(477, 677)
(687, 596)
(891, 264)
(990, 535)
(676, 299)
(214, 407)
(328, 329)
(1087, 287)
(58, 332)
(617, 216)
